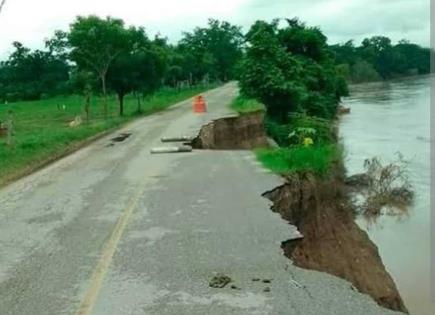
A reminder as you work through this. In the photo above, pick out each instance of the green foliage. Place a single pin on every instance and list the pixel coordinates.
(377, 58)
(138, 70)
(30, 74)
(242, 104)
(289, 70)
(212, 51)
(324, 133)
(362, 71)
(285, 161)
(95, 43)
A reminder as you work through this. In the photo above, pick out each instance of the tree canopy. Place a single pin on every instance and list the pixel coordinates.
(377, 58)
(290, 69)
(288, 66)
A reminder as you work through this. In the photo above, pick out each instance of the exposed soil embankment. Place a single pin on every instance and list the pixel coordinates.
(233, 133)
(319, 207)
(332, 241)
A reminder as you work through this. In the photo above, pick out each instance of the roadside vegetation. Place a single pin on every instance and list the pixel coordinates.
(96, 76)
(289, 160)
(290, 69)
(242, 104)
(44, 133)
(100, 73)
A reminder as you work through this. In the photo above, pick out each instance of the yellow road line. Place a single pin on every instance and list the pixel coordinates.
(109, 250)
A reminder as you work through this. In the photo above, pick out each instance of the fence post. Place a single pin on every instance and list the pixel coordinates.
(10, 128)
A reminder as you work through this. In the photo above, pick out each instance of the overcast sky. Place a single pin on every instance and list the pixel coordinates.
(30, 21)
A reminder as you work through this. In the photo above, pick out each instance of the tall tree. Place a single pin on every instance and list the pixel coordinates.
(215, 49)
(139, 70)
(290, 69)
(96, 43)
(28, 74)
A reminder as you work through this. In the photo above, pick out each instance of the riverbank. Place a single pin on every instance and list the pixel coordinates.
(315, 200)
(43, 130)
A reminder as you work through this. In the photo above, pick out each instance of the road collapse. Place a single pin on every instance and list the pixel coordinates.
(321, 210)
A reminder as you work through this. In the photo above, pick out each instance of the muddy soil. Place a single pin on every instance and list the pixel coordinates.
(233, 133)
(332, 242)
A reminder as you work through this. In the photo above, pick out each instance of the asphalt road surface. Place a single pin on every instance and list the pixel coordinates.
(115, 230)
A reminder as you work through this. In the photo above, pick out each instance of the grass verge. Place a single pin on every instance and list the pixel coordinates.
(42, 134)
(242, 104)
(289, 160)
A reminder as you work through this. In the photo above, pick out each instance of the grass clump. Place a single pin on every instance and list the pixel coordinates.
(290, 160)
(242, 104)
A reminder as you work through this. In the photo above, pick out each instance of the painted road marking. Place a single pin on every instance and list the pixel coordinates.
(107, 254)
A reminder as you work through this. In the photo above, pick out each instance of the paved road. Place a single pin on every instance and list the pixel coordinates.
(116, 230)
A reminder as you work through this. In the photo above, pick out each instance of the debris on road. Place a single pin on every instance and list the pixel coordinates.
(177, 139)
(220, 281)
(179, 149)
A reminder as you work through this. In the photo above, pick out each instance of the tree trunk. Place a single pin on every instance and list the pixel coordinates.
(103, 83)
(87, 106)
(139, 105)
(10, 129)
(121, 104)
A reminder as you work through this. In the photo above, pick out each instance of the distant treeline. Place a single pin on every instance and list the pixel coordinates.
(103, 55)
(378, 59)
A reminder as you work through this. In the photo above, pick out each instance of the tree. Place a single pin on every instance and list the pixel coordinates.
(96, 43)
(213, 50)
(290, 69)
(83, 83)
(379, 51)
(28, 74)
(377, 58)
(140, 70)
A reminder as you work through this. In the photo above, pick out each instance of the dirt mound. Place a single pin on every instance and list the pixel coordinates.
(332, 242)
(233, 133)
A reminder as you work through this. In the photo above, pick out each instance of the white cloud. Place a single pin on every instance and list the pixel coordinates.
(30, 21)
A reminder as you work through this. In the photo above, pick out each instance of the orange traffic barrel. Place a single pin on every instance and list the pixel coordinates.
(199, 105)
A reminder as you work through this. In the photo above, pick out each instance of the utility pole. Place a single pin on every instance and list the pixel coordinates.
(2, 4)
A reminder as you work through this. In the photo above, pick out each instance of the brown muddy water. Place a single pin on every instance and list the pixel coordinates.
(386, 118)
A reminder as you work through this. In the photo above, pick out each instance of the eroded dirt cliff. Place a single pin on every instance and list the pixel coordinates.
(233, 133)
(332, 242)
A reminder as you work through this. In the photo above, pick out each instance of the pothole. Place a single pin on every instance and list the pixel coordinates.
(121, 137)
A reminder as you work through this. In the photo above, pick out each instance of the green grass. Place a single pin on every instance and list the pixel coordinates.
(243, 105)
(289, 160)
(42, 131)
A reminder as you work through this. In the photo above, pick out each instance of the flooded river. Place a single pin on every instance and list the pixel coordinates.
(386, 118)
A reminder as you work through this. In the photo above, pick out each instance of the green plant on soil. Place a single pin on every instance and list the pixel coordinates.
(41, 128)
(280, 132)
(289, 160)
(242, 104)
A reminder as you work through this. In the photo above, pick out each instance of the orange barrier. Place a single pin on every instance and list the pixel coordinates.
(199, 105)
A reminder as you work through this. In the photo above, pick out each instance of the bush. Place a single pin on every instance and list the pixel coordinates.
(280, 132)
